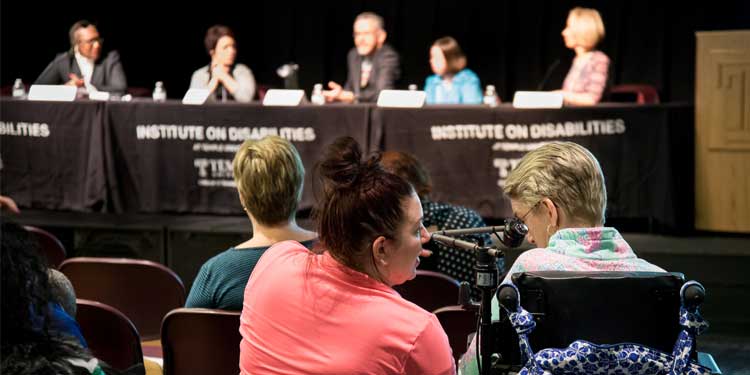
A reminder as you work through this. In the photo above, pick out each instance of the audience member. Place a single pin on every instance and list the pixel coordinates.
(456, 263)
(587, 78)
(269, 176)
(81, 66)
(225, 79)
(336, 312)
(558, 191)
(373, 65)
(453, 82)
(35, 340)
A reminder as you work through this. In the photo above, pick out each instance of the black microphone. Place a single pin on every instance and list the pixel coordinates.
(465, 245)
(548, 74)
(514, 232)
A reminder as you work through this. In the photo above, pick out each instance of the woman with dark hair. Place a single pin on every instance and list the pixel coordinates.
(336, 312)
(225, 79)
(453, 82)
(32, 339)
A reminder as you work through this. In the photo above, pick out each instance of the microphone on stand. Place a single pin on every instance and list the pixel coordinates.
(465, 245)
(514, 231)
(551, 69)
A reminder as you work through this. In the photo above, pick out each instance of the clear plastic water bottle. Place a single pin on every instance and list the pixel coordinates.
(159, 94)
(19, 90)
(490, 96)
(412, 87)
(317, 97)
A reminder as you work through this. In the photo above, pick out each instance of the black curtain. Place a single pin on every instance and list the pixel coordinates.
(509, 44)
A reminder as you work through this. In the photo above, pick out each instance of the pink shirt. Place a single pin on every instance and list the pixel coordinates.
(305, 313)
(588, 75)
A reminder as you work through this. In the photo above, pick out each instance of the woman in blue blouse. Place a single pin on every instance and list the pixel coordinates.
(452, 82)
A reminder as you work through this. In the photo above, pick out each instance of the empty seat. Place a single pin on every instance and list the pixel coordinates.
(201, 341)
(430, 290)
(638, 93)
(458, 324)
(144, 291)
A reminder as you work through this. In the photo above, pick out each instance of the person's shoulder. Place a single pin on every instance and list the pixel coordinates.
(432, 80)
(387, 51)
(112, 56)
(63, 56)
(467, 75)
(239, 67)
(600, 56)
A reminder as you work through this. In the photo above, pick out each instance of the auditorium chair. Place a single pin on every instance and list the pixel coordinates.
(458, 323)
(430, 290)
(52, 249)
(111, 336)
(201, 341)
(144, 291)
(638, 93)
(599, 307)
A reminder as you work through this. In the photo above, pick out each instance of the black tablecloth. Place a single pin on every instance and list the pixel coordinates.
(168, 157)
(644, 151)
(52, 155)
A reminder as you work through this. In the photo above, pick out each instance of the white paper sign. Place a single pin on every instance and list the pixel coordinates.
(99, 95)
(62, 93)
(196, 96)
(288, 98)
(537, 99)
(401, 98)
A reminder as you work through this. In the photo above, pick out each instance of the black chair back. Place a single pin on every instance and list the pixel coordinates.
(600, 307)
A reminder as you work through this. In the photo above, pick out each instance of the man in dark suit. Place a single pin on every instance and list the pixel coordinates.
(373, 65)
(81, 65)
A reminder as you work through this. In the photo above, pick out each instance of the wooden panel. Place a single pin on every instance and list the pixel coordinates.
(722, 105)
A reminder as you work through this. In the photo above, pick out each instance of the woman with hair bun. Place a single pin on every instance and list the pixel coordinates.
(336, 312)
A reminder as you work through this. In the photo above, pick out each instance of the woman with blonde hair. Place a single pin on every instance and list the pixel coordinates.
(587, 78)
(269, 175)
(558, 191)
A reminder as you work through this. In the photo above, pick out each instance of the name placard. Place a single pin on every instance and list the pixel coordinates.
(61, 93)
(537, 99)
(196, 96)
(401, 98)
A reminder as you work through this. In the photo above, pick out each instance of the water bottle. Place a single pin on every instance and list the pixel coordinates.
(19, 90)
(490, 97)
(160, 94)
(412, 87)
(317, 97)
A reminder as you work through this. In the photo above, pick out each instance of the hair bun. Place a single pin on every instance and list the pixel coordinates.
(341, 163)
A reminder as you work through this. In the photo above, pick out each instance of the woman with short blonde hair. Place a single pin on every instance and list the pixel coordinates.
(587, 78)
(558, 191)
(269, 176)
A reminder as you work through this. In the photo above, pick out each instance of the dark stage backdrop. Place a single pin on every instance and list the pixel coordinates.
(509, 43)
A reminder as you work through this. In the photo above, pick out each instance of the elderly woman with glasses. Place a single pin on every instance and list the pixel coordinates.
(558, 191)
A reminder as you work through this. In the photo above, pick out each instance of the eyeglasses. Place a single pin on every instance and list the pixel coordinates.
(523, 218)
(92, 41)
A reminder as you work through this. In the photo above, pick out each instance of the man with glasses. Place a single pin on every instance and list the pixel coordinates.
(81, 66)
(373, 65)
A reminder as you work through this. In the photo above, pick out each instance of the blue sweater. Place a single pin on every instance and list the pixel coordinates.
(464, 88)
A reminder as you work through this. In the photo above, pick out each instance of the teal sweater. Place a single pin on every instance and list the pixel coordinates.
(221, 281)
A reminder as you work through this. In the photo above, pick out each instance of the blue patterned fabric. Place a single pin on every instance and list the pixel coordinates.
(583, 357)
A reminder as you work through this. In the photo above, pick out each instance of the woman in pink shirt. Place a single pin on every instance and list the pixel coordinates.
(336, 312)
(587, 78)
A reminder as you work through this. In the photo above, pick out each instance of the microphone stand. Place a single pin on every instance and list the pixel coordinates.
(486, 282)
